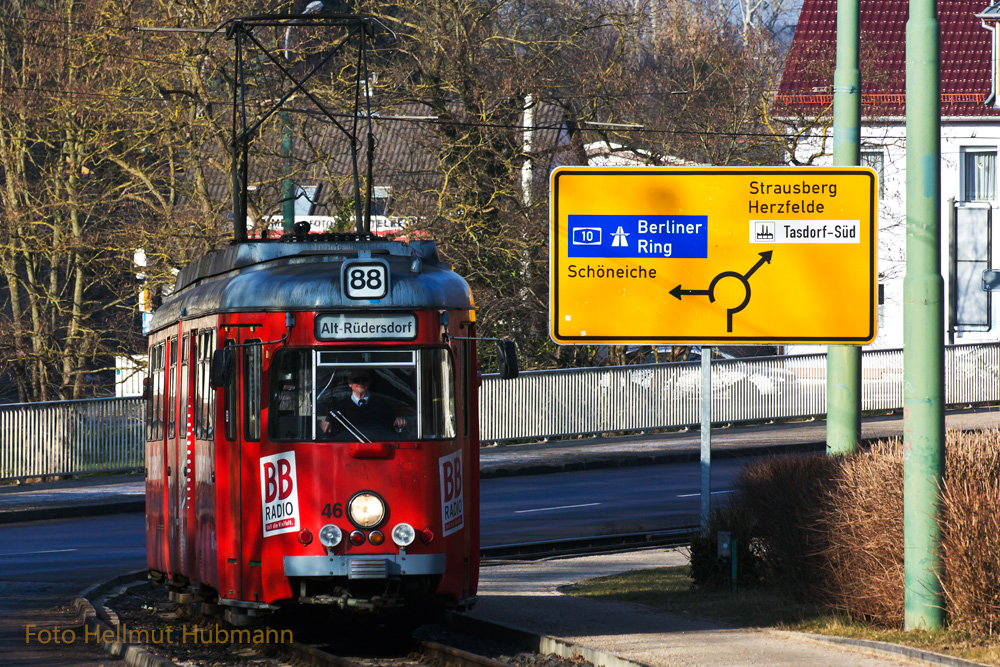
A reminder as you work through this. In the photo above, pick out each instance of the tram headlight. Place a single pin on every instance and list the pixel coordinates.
(365, 509)
(403, 534)
(330, 535)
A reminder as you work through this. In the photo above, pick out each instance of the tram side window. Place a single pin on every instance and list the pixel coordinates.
(231, 401)
(154, 411)
(252, 372)
(438, 392)
(469, 362)
(172, 391)
(204, 402)
(290, 382)
(184, 380)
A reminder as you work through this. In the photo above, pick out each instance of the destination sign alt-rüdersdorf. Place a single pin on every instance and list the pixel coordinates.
(713, 255)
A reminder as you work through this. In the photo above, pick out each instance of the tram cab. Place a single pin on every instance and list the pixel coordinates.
(312, 427)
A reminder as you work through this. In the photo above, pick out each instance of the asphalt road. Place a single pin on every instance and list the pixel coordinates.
(43, 566)
(598, 502)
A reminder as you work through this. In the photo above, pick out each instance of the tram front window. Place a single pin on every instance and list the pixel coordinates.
(366, 404)
(366, 395)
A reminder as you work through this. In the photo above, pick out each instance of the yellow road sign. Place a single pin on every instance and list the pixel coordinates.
(765, 255)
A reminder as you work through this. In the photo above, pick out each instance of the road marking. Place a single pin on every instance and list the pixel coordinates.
(561, 507)
(32, 553)
(691, 495)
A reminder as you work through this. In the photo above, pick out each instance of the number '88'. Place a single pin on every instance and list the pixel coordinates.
(365, 278)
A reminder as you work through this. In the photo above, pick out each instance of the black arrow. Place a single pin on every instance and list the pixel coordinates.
(678, 292)
(764, 257)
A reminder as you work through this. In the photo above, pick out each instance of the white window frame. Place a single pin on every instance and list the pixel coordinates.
(305, 199)
(968, 152)
(381, 199)
(879, 164)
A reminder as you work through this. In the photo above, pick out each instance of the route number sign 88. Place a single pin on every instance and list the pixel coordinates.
(366, 280)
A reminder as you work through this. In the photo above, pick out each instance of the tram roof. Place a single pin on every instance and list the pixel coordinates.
(279, 276)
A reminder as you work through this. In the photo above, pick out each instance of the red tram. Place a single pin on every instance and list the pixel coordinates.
(266, 482)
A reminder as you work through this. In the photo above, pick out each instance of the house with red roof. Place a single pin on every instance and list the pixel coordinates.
(970, 139)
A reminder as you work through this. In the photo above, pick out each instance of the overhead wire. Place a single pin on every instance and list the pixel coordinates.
(580, 125)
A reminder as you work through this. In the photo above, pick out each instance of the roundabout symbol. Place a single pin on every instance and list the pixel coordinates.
(744, 278)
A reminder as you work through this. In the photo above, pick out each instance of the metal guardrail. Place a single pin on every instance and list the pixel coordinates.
(566, 402)
(71, 437)
(105, 435)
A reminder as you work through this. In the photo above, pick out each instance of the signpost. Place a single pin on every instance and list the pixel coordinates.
(763, 255)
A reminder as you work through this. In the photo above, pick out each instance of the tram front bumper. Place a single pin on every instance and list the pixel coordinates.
(365, 567)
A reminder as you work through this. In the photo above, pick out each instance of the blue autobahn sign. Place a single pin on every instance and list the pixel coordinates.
(638, 236)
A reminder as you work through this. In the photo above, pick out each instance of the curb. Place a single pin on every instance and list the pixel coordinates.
(606, 461)
(543, 644)
(885, 648)
(98, 621)
(72, 511)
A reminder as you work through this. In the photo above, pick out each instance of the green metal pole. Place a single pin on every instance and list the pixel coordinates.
(923, 317)
(843, 362)
(287, 186)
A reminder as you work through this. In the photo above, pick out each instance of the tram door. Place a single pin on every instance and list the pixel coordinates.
(182, 498)
(468, 380)
(173, 471)
(156, 497)
(229, 455)
(241, 427)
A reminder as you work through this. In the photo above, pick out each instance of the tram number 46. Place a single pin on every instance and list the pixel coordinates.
(366, 280)
(336, 510)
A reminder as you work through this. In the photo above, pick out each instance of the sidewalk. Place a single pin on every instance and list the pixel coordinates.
(118, 494)
(526, 596)
(69, 498)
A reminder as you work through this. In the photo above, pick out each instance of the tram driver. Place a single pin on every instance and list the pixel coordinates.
(368, 413)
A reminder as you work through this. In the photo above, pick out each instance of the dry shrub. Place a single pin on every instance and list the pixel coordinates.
(970, 531)
(776, 499)
(862, 529)
(786, 495)
(831, 529)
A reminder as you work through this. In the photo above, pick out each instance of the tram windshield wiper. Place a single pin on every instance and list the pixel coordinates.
(351, 428)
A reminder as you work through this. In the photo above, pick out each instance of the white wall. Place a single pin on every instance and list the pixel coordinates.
(956, 135)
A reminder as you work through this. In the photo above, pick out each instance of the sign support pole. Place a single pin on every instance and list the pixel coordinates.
(843, 365)
(923, 317)
(706, 438)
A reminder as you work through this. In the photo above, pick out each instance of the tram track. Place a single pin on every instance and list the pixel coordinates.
(145, 627)
(131, 608)
(427, 653)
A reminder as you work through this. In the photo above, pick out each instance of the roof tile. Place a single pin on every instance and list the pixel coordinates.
(965, 53)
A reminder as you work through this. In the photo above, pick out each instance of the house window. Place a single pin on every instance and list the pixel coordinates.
(979, 174)
(305, 199)
(876, 160)
(381, 196)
